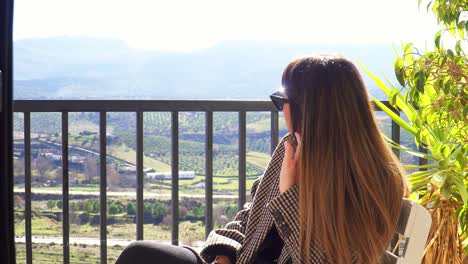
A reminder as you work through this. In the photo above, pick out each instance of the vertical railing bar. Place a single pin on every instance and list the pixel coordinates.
(65, 190)
(274, 130)
(103, 185)
(242, 158)
(139, 164)
(27, 185)
(209, 172)
(175, 177)
(422, 161)
(396, 134)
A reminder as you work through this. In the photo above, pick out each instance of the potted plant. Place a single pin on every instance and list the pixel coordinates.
(433, 98)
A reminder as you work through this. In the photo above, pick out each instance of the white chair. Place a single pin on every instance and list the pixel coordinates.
(413, 229)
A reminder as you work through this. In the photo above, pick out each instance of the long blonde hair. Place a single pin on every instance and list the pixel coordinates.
(350, 183)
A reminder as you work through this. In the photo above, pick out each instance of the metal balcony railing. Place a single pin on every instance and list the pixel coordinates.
(139, 107)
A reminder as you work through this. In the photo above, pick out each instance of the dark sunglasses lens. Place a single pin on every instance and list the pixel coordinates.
(278, 102)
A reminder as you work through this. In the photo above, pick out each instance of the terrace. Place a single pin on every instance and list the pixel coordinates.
(81, 179)
(69, 243)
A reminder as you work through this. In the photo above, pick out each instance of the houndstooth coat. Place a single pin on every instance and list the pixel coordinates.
(269, 207)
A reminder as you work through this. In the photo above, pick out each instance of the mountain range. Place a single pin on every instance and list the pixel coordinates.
(99, 68)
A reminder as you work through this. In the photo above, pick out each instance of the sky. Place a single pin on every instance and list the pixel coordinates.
(187, 25)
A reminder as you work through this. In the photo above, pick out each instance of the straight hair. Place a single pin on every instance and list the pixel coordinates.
(350, 183)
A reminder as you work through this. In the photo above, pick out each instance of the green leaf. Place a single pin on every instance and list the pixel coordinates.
(376, 79)
(409, 60)
(415, 167)
(400, 75)
(445, 190)
(447, 87)
(438, 180)
(399, 72)
(434, 6)
(401, 104)
(444, 60)
(393, 97)
(458, 48)
(461, 29)
(407, 47)
(420, 78)
(409, 151)
(461, 188)
(395, 117)
(437, 39)
(439, 84)
(453, 27)
(450, 53)
(460, 162)
(419, 175)
(420, 179)
(455, 152)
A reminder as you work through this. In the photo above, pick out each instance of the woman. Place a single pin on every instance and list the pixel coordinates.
(333, 189)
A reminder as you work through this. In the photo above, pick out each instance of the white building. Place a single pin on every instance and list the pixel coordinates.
(183, 175)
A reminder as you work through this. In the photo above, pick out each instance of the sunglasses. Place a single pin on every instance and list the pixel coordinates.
(278, 100)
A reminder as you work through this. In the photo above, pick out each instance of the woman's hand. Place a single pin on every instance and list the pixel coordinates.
(290, 167)
(222, 260)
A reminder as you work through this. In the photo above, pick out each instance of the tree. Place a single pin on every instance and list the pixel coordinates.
(18, 202)
(58, 175)
(89, 206)
(158, 212)
(91, 169)
(115, 208)
(51, 204)
(42, 165)
(198, 212)
(167, 220)
(18, 168)
(96, 206)
(114, 178)
(74, 206)
(84, 217)
(131, 208)
(231, 210)
(434, 98)
(147, 211)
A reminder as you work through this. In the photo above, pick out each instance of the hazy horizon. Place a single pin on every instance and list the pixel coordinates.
(101, 68)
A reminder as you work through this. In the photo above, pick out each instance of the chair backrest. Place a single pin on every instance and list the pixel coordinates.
(413, 229)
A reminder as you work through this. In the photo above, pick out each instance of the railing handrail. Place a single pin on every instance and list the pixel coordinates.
(147, 105)
(142, 105)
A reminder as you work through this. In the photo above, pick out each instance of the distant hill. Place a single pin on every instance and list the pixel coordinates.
(93, 68)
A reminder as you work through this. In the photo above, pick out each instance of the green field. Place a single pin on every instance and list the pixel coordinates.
(259, 159)
(188, 231)
(263, 125)
(79, 254)
(129, 155)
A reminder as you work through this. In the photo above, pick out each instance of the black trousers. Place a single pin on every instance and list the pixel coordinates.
(152, 252)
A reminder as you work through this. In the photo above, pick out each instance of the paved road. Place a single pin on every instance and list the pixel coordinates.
(128, 194)
(90, 241)
(77, 240)
(131, 194)
(90, 151)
